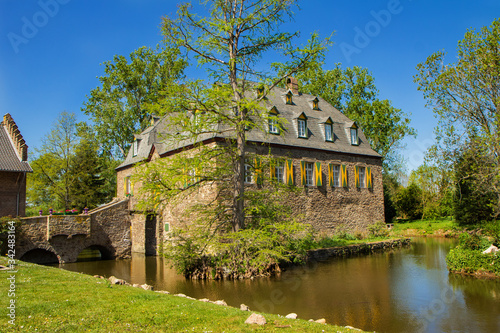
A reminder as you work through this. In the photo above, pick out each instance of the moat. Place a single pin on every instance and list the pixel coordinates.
(405, 290)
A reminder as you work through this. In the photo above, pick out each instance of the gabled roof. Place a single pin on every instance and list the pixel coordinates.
(289, 138)
(9, 158)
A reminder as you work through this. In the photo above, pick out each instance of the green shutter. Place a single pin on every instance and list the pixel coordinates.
(289, 172)
(343, 171)
(330, 175)
(319, 175)
(272, 169)
(303, 172)
(356, 176)
(369, 183)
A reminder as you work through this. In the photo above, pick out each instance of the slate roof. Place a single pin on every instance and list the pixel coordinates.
(302, 104)
(9, 160)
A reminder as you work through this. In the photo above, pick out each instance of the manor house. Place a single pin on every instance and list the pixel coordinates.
(325, 154)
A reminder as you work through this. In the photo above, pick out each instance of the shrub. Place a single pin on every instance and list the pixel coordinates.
(473, 242)
(378, 229)
(409, 202)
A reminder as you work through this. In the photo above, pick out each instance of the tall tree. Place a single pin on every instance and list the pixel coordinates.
(465, 97)
(230, 43)
(117, 108)
(353, 92)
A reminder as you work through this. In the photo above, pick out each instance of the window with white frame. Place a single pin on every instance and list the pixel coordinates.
(309, 174)
(302, 126)
(273, 124)
(279, 172)
(248, 173)
(135, 147)
(362, 177)
(328, 132)
(354, 136)
(336, 175)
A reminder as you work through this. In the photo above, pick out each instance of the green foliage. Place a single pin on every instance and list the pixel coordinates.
(409, 201)
(70, 172)
(464, 97)
(473, 241)
(378, 230)
(118, 107)
(390, 185)
(353, 92)
(464, 260)
(473, 201)
(6, 225)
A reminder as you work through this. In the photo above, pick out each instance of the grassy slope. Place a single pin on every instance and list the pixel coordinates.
(425, 227)
(53, 300)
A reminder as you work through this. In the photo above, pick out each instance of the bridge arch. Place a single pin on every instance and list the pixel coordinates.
(40, 256)
(95, 252)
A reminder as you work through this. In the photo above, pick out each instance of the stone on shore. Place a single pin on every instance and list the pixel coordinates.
(223, 303)
(146, 287)
(321, 321)
(291, 316)
(114, 280)
(256, 319)
(243, 307)
(491, 249)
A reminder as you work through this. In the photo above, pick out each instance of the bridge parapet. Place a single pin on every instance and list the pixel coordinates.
(46, 227)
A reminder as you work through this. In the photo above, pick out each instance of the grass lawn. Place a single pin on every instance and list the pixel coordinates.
(439, 227)
(49, 299)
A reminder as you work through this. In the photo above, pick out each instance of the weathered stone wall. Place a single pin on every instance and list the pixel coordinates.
(68, 225)
(332, 209)
(138, 233)
(66, 236)
(12, 183)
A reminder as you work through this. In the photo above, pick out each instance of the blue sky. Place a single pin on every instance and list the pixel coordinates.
(51, 50)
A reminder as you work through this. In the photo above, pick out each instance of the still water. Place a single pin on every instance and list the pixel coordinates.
(408, 290)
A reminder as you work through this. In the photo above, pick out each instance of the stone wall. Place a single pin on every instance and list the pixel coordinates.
(66, 236)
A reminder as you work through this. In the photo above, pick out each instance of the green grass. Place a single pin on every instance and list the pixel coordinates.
(437, 227)
(54, 300)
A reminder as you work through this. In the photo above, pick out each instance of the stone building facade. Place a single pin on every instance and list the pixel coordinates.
(13, 169)
(317, 148)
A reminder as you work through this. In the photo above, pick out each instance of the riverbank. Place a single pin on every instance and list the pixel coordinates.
(445, 227)
(49, 299)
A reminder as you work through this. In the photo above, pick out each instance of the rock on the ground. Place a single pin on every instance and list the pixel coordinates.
(146, 286)
(180, 295)
(243, 307)
(491, 249)
(220, 303)
(206, 300)
(162, 292)
(291, 316)
(114, 280)
(256, 319)
(321, 321)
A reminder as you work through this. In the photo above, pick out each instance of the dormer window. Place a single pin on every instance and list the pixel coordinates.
(354, 135)
(302, 126)
(260, 92)
(315, 103)
(135, 147)
(273, 125)
(289, 100)
(328, 131)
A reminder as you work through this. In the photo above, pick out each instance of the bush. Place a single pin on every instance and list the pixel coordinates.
(409, 202)
(378, 229)
(470, 261)
(473, 242)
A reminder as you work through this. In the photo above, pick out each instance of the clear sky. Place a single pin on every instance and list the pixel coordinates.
(51, 50)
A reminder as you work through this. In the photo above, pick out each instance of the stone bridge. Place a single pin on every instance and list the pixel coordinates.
(61, 238)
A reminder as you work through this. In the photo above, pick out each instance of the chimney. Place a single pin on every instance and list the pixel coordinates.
(293, 85)
(15, 135)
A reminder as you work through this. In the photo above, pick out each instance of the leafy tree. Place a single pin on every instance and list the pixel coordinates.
(409, 201)
(353, 92)
(69, 172)
(117, 108)
(52, 179)
(465, 97)
(229, 43)
(437, 190)
(391, 185)
(474, 201)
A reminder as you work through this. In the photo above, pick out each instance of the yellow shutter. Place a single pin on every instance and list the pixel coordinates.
(369, 182)
(289, 172)
(303, 172)
(319, 175)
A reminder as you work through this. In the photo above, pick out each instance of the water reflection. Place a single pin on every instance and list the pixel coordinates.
(406, 290)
